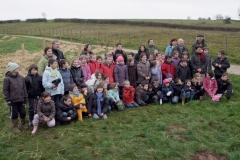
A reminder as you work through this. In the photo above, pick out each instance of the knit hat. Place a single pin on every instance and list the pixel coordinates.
(166, 81)
(71, 87)
(12, 66)
(120, 59)
(169, 75)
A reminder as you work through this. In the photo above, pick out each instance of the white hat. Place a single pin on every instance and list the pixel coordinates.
(12, 66)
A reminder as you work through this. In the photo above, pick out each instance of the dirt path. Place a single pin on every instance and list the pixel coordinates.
(234, 69)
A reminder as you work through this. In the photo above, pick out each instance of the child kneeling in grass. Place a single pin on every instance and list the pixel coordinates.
(45, 112)
(224, 86)
(141, 96)
(98, 104)
(128, 95)
(167, 92)
(114, 99)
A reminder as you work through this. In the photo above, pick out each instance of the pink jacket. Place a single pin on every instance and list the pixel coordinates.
(210, 86)
(86, 72)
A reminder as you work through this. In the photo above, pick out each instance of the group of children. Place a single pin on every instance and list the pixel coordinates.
(93, 86)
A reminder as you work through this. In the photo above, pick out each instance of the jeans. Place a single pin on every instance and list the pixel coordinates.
(66, 114)
(130, 105)
(175, 99)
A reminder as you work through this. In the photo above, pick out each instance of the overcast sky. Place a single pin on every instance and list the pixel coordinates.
(118, 9)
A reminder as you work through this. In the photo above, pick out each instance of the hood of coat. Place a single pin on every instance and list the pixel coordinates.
(9, 74)
(63, 106)
(29, 74)
(63, 69)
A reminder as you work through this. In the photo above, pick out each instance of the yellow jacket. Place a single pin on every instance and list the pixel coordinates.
(79, 100)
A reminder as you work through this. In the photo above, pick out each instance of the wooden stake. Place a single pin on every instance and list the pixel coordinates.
(49, 44)
(43, 43)
(79, 48)
(23, 51)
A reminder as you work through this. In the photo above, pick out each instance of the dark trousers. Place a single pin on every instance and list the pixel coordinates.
(32, 109)
(56, 98)
(16, 108)
(120, 88)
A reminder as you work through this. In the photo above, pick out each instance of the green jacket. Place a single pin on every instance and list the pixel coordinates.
(150, 49)
(43, 63)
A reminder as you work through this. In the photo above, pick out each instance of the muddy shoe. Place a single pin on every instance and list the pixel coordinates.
(15, 125)
(24, 124)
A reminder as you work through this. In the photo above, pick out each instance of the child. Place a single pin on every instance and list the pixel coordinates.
(152, 57)
(93, 64)
(76, 72)
(141, 94)
(98, 104)
(159, 59)
(197, 86)
(198, 61)
(183, 71)
(85, 68)
(34, 87)
(187, 92)
(156, 73)
(99, 60)
(114, 99)
(65, 110)
(86, 94)
(45, 112)
(170, 78)
(120, 74)
(107, 68)
(143, 69)
(132, 72)
(128, 95)
(168, 67)
(208, 64)
(167, 92)
(78, 101)
(66, 75)
(224, 86)
(210, 84)
(105, 87)
(156, 87)
(177, 90)
(151, 95)
(15, 94)
(131, 55)
(94, 81)
(220, 64)
(52, 81)
(175, 59)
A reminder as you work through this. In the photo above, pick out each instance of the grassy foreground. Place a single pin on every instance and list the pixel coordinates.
(149, 132)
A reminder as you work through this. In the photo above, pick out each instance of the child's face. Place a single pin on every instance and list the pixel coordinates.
(65, 65)
(127, 85)
(47, 99)
(184, 64)
(84, 89)
(89, 48)
(34, 71)
(105, 86)
(220, 55)
(84, 61)
(68, 102)
(145, 87)
(116, 87)
(99, 76)
(176, 55)
(185, 56)
(144, 58)
(163, 57)
(179, 82)
(206, 51)
(100, 90)
(199, 50)
(207, 75)
(167, 84)
(155, 51)
(151, 58)
(17, 70)
(75, 63)
(188, 84)
(93, 58)
(122, 62)
(99, 60)
(198, 77)
(155, 85)
(130, 56)
(131, 63)
(75, 89)
(150, 89)
(170, 79)
(169, 60)
(87, 56)
(54, 65)
(109, 60)
(159, 56)
(224, 78)
(107, 80)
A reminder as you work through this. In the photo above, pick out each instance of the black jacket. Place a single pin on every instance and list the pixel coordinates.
(58, 54)
(196, 63)
(224, 65)
(183, 73)
(224, 86)
(61, 107)
(77, 75)
(132, 75)
(92, 104)
(177, 48)
(34, 85)
(177, 89)
(122, 53)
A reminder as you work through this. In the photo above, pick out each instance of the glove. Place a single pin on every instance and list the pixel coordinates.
(160, 101)
(80, 106)
(9, 104)
(169, 93)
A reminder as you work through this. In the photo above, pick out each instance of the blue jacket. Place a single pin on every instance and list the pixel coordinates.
(165, 90)
(67, 78)
(47, 82)
(113, 93)
(168, 50)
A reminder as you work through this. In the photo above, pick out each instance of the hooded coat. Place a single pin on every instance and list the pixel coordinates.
(43, 63)
(58, 54)
(77, 75)
(178, 48)
(94, 66)
(139, 95)
(108, 70)
(120, 74)
(45, 110)
(183, 73)
(67, 78)
(143, 71)
(196, 64)
(92, 105)
(168, 68)
(224, 65)
(132, 75)
(86, 72)
(210, 85)
(128, 95)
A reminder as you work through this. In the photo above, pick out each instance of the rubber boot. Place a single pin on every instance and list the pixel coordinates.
(15, 125)
(183, 101)
(34, 129)
(24, 124)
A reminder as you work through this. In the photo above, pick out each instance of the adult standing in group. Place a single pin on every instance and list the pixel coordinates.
(170, 47)
(141, 50)
(198, 61)
(200, 42)
(56, 51)
(180, 47)
(43, 63)
(150, 48)
(87, 50)
(120, 52)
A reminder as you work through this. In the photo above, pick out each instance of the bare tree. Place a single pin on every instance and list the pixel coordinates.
(188, 17)
(239, 12)
(219, 17)
(44, 15)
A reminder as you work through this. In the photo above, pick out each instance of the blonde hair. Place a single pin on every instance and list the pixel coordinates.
(126, 82)
(194, 80)
(74, 59)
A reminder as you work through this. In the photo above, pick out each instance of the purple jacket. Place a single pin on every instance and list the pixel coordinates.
(120, 74)
(175, 61)
(86, 72)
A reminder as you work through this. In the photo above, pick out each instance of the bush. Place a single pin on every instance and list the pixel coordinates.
(37, 20)
(10, 21)
(227, 20)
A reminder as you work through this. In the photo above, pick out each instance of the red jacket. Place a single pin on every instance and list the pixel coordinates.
(94, 66)
(108, 71)
(210, 86)
(168, 68)
(128, 95)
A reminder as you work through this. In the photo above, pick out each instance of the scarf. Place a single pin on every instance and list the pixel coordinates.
(74, 93)
(54, 73)
(201, 56)
(49, 57)
(99, 99)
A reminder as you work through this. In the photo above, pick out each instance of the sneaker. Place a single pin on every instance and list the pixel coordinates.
(105, 117)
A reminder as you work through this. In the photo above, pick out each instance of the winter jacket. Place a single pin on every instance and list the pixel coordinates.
(132, 75)
(45, 110)
(92, 106)
(202, 44)
(224, 86)
(156, 74)
(77, 75)
(43, 63)
(14, 88)
(128, 95)
(67, 78)
(34, 85)
(47, 82)
(62, 107)
(150, 49)
(114, 94)
(197, 86)
(58, 54)
(177, 89)
(165, 90)
(178, 48)
(175, 61)
(196, 64)
(187, 88)
(208, 63)
(76, 100)
(138, 55)
(168, 68)
(86, 72)
(210, 85)
(168, 50)
(120, 74)
(143, 71)
(94, 66)
(224, 65)
(108, 70)
(122, 53)
(183, 73)
(139, 95)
